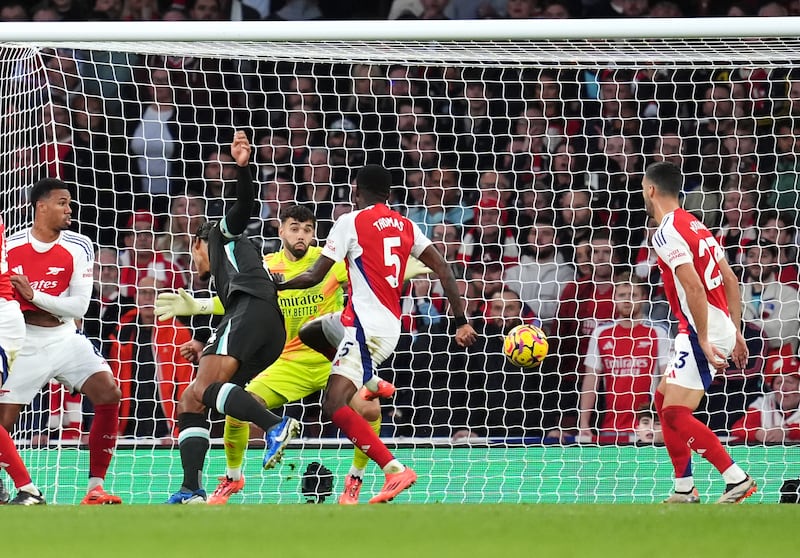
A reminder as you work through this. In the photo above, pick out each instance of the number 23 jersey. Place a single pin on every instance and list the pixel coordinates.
(375, 243)
(682, 239)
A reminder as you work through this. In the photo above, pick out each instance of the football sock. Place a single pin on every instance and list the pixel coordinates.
(30, 488)
(360, 459)
(372, 383)
(235, 436)
(193, 442)
(103, 438)
(679, 452)
(11, 461)
(394, 466)
(697, 436)
(734, 474)
(356, 472)
(230, 399)
(359, 432)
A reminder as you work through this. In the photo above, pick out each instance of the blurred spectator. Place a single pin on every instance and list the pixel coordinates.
(585, 303)
(108, 9)
(773, 9)
(556, 9)
(442, 202)
(474, 9)
(405, 9)
(775, 228)
(163, 142)
(617, 8)
(141, 10)
(298, 10)
(490, 239)
(96, 165)
(433, 9)
(770, 305)
(143, 260)
(204, 10)
(345, 146)
(624, 361)
(785, 193)
(739, 226)
(275, 195)
(69, 10)
(665, 9)
(219, 179)
(575, 220)
(45, 13)
(273, 156)
(446, 238)
(107, 304)
(14, 11)
(146, 361)
(174, 15)
(541, 274)
(648, 427)
(521, 9)
(774, 418)
(186, 212)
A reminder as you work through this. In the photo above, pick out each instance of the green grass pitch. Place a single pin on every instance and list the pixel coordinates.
(396, 530)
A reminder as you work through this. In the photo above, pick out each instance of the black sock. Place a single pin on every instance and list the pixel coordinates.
(193, 441)
(230, 399)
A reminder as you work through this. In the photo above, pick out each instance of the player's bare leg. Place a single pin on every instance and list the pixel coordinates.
(683, 432)
(335, 406)
(102, 391)
(9, 413)
(211, 388)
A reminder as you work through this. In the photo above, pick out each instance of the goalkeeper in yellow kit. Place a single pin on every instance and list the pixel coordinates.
(300, 370)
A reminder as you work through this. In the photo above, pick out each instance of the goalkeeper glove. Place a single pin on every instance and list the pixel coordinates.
(169, 305)
(415, 267)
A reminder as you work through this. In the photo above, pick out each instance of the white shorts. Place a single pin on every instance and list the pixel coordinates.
(332, 327)
(689, 367)
(12, 335)
(357, 357)
(60, 353)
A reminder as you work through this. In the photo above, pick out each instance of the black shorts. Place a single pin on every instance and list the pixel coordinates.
(252, 331)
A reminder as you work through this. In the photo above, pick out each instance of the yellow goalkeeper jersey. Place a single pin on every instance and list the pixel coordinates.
(302, 305)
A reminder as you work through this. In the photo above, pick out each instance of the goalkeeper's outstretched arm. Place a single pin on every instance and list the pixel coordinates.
(181, 303)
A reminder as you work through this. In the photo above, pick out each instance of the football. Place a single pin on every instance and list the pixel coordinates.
(525, 346)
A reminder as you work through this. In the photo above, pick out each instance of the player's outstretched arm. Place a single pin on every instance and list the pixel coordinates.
(181, 303)
(308, 278)
(237, 217)
(465, 335)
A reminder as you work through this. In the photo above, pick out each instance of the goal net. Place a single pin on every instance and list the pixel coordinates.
(521, 158)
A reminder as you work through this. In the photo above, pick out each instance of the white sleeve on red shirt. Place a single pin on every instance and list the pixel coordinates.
(420, 241)
(73, 303)
(338, 243)
(671, 247)
(593, 361)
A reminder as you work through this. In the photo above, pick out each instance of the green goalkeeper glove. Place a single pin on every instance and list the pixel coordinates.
(169, 305)
(415, 267)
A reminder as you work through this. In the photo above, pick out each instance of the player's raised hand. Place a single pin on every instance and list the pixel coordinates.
(466, 336)
(241, 149)
(191, 350)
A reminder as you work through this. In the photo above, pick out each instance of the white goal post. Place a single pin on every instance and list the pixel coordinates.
(503, 129)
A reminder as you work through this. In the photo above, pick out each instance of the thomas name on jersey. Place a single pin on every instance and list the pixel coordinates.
(384, 222)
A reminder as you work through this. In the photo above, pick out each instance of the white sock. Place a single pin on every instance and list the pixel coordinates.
(394, 466)
(234, 473)
(684, 484)
(95, 482)
(372, 383)
(354, 472)
(734, 474)
(30, 488)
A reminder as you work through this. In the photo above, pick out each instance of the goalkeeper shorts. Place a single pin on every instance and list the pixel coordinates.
(293, 380)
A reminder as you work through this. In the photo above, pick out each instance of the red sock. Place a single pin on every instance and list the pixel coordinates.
(361, 434)
(679, 452)
(11, 461)
(697, 436)
(103, 439)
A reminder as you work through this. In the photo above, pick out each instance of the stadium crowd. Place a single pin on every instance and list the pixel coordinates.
(528, 180)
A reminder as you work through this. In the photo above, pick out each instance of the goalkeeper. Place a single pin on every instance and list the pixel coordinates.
(300, 370)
